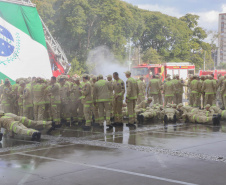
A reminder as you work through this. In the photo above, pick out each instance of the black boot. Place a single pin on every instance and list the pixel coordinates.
(1, 135)
(58, 126)
(63, 121)
(110, 127)
(34, 136)
(219, 116)
(141, 119)
(86, 128)
(115, 124)
(93, 119)
(218, 119)
(52, 128)
(68, 124)
(120, 124)
(39, 136)
(80, 123)
(112, 119)
(83, 122)
(138, 118)
(215, 120)
(95, 124)
(54, 124)
(175, 119)
(129, 125)
(165, 120)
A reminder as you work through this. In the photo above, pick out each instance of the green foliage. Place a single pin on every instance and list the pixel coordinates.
(82, 25)
(151, 57)
(76, 67)
(222, 66)
(191, 20)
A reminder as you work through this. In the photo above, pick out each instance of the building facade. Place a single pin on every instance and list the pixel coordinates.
(221, 39)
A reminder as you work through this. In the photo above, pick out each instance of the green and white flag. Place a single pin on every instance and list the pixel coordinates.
(23, 50)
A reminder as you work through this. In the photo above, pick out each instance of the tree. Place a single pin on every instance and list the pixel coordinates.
(76, 67)
(151, 57)
(191, 20)
(82, 25)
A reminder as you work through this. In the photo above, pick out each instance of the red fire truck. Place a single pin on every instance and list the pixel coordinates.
(214, 72)
(147, 70)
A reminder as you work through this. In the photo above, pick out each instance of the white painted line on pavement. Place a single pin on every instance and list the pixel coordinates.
(112, 169)
(53, 147)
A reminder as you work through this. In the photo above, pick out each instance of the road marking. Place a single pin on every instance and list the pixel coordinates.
(112, 169)
(24, 179)
(48, 148)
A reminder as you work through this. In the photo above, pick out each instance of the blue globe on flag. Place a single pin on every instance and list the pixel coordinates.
(6, 42)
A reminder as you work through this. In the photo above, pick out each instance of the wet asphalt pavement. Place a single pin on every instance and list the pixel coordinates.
(185, 154)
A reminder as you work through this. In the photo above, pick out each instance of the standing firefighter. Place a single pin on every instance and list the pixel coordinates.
(87, 101)
(194, 92)
(102, 96)
(77, 106)
(27, 100)
(154, 87)
(39, 99)
(209, 87)
(142, 90)
(159, 78)
(131, 97)
(168, 91)
(202, 92)
(179, 93)
(47, 114)
(119, 91)
(15, 96)
(20, 100)
(95, 112)
(109, 78)
(7, 97)
(64, 93)
(55, 101)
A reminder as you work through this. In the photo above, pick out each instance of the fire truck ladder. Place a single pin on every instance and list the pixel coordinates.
(52, 43)
(55, 47)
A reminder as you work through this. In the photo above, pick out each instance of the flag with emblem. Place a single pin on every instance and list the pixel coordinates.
(23, 50)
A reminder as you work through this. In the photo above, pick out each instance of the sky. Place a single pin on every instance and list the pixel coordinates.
(208, 10)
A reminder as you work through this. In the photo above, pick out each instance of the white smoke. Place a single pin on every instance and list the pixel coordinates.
(102, 61)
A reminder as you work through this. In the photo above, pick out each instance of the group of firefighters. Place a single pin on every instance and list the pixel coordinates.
(33, 104)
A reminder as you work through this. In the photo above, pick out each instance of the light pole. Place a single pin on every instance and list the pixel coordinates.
(204, 60)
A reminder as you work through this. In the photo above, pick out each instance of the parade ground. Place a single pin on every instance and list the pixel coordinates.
(185, 154)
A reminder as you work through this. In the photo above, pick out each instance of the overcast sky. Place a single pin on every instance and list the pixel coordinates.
(208, 10)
